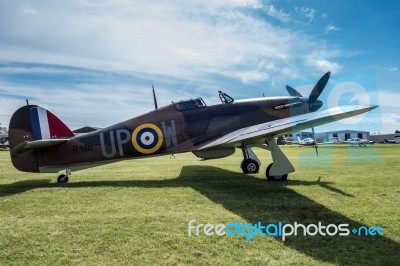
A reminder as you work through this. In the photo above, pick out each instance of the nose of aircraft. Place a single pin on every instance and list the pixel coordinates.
(313, 102)
(315, 105)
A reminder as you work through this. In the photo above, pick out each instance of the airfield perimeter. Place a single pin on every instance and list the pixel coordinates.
(137, 212)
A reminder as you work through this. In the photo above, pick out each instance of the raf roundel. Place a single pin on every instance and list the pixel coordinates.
(147, 138)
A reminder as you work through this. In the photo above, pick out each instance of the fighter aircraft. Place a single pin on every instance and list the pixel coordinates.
(41, 142)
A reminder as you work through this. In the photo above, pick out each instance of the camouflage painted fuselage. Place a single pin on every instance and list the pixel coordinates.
(169, 129)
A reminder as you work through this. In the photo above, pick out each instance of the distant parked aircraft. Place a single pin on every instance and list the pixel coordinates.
(306, 141)
(333, 140)
(4, 142)
(357, 141)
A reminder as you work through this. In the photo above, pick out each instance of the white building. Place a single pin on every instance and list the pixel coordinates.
(341, 134)
(329, 136)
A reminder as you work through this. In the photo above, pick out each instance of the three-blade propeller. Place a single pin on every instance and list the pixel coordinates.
(313, 103)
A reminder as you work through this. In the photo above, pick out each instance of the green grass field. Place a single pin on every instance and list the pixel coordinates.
(137, 212)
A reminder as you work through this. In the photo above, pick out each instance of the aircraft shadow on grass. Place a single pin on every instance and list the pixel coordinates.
(256, 200)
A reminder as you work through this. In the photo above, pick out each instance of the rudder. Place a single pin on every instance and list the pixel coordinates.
(32, 123)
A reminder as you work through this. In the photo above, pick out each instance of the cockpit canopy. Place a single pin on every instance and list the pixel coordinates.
(190, 104)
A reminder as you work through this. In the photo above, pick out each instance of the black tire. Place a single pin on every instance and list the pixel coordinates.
(274, 178)
(250, 166)
(62, 179)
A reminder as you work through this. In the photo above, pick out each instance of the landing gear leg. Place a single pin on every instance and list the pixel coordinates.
(250, 164)
(281, 166)
(64, 177)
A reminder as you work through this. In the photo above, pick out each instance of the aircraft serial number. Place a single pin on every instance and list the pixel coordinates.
(82, 148)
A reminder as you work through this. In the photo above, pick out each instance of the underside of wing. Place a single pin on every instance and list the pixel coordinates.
(259, 133)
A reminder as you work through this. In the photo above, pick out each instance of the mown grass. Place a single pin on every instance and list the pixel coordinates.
(136, 212)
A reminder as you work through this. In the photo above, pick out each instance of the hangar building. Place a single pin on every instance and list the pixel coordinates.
(330, 135)
(342, 134)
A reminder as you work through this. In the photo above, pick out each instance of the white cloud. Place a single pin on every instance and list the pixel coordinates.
(331, 28)
(324, 61)
(87, 104)
(277, 14)
(389, 99)
(388, 112)
(326, 65)
(389, 123)
(308, 13)
(168, 39)
(395, 118)
(393, 69)
(184, 41)
(249, 3)
(27, 9)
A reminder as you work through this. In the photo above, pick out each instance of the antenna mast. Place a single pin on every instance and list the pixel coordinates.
(154, 98)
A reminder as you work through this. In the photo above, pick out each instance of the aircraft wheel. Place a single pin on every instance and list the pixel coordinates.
(62, 179)
(250, 166)
(274, 178)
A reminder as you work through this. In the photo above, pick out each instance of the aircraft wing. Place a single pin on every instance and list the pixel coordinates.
(259, 133)
(37, 144)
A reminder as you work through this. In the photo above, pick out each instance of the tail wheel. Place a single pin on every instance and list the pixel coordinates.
(62, 179)
(250, 166)
(274, 178)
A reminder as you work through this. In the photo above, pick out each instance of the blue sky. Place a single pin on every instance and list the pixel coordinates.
(93, 62)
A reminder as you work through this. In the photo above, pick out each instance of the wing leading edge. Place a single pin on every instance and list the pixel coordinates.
(258, 133)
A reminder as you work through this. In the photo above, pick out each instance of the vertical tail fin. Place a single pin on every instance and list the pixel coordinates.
(31, 123)
(45, 125)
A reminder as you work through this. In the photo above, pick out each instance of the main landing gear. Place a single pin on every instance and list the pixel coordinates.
(64, 177)
(250, 164)
(276, 171)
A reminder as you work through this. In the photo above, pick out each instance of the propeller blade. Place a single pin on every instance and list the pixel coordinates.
(293, 92)
(319, 87)
(315, 141)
